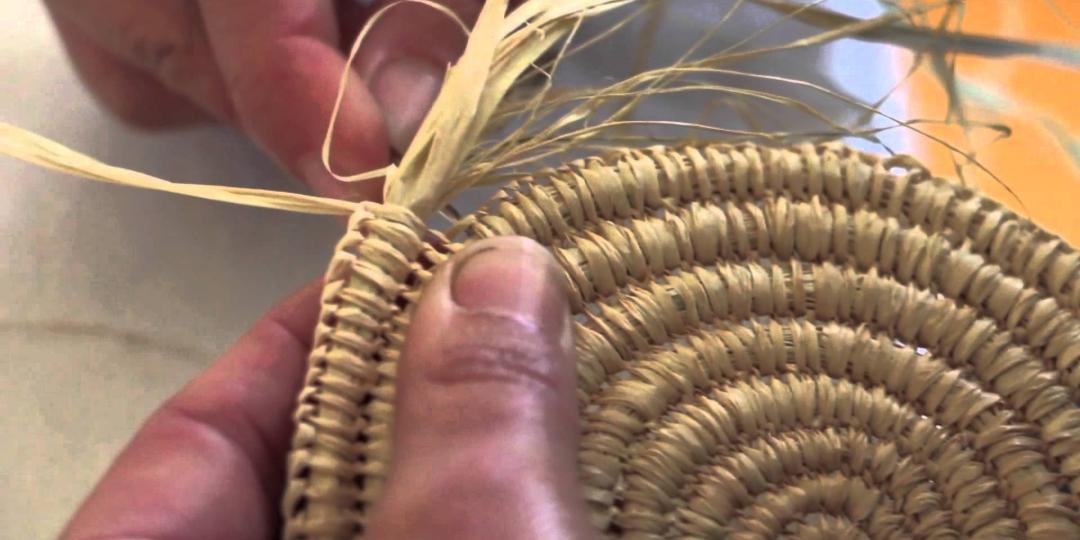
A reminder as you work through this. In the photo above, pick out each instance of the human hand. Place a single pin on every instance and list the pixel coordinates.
(485, 430)
(271, 68)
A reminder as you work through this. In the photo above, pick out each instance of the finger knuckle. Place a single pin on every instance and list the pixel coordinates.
(167, 58)
(136, 115)
(499, 358)
(179, 421)
(135, 109)
(166, 42)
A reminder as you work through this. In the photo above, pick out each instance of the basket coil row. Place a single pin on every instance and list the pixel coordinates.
(810, 342)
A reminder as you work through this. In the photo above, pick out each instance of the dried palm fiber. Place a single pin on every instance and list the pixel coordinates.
(772, 340)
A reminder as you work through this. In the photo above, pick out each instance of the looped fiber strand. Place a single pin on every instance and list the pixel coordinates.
(809, 341)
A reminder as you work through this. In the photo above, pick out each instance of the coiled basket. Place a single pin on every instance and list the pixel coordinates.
(807, 341)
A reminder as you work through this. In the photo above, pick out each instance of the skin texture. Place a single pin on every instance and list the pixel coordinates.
(485, 434)
(269, 68)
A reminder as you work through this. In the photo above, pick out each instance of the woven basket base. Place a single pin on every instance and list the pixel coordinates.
(808, 341)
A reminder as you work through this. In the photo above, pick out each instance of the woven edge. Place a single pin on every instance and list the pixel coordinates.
(328, 462)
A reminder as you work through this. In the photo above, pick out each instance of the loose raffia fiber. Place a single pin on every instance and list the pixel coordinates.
(809, 341)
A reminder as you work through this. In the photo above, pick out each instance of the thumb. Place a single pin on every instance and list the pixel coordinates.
(486, 423)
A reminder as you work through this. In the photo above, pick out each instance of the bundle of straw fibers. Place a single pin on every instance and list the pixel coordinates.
(773, 339)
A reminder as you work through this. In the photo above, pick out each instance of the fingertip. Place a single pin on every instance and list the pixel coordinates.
(511, 275)
(404, 62)
(359, 124)
(486, 410)
(405, 89)
(358, 143)
(498, 308)
(283, 70)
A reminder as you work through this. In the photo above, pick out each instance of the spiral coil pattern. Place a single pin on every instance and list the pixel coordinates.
(810, 342)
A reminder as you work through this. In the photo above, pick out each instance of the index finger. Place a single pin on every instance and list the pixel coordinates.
(281, 64)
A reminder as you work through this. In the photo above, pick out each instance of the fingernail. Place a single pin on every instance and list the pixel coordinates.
(405, 89)
(510, 276)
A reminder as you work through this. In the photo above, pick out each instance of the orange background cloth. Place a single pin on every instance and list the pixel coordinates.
(1039, 100)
